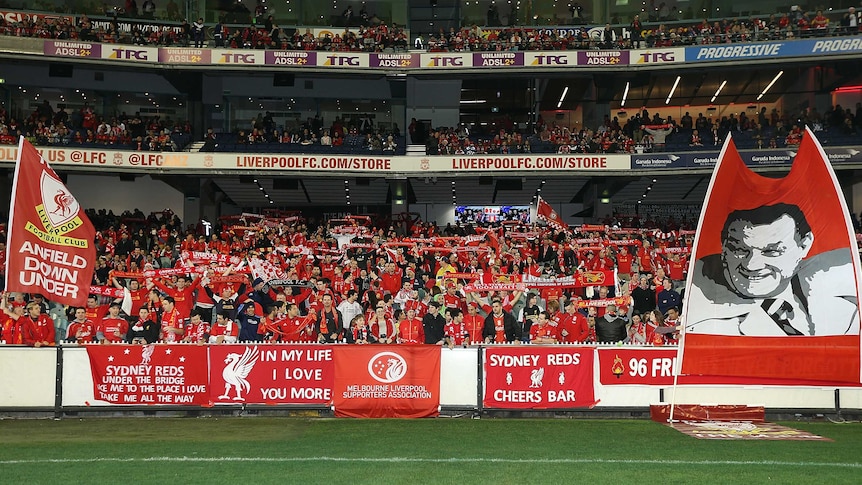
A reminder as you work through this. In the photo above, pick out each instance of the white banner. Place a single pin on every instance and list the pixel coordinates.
(371, 164)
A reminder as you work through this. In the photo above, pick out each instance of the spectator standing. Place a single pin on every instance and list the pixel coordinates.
(501, 326)
(198, 31)
(644, 296)
(433, 324)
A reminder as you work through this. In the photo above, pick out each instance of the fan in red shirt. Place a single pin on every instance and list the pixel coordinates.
(198, 330)
(82, 329)
(543, 332)
(183, 294)
(295, 327)
(17, 329)
(455, 332)
(573, 327)
(382, 327)
(42, 327)
(676, 269)
(138, 294)
(112, 328)
(410, 331)
(390, 279)
(473, 322)
(172, 323)
(94, 311)
(624, 262)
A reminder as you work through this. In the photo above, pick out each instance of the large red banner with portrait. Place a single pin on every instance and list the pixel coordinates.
(535, 377)
(271, 374)
(150, 374)
(774, 283)
(386, 381)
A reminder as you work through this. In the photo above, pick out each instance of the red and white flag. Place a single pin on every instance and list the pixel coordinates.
(774, 279)
(50, 243)
(263, 269)
(544, 212)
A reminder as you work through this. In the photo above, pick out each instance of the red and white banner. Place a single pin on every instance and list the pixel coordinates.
(150, 374)
(382, 381)
(647, 366)
(774, 278)
(271, 374)
(544, 212)
(653, 366)
(50, 244)
(534, 377)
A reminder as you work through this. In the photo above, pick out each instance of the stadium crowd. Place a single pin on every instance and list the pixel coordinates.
(642, 133)
(277, 278)
(356, 136)
(46, 126)
(374, 35)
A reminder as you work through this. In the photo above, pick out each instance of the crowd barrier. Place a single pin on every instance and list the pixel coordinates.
(487, 378)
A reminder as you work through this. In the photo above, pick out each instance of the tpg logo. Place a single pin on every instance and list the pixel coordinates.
(236, 58)
(129, 54)
(341, 61)
(546, 60)
(444, 61)
(653, 57)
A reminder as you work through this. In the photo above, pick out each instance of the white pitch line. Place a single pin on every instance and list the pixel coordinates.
(539, 461)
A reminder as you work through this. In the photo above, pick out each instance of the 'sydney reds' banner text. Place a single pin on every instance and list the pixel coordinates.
(534, 377)
(774, 283)
(150, 374)
(383, 381)
(50, 244)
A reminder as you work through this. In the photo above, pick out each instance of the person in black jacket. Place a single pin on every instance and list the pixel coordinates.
(143, 330)
(433, 324)
(501, 326)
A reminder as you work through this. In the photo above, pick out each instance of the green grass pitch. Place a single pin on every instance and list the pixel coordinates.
(240, 450)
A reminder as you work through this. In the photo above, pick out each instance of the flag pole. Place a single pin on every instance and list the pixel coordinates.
(676, 370)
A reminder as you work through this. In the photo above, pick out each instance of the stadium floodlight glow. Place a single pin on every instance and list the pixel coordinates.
(670, 94)
(563, 96)
(717, 91)
(474, 101)
(625, 94)
(770, 84)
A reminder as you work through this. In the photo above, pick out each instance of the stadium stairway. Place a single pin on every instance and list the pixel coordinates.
(416, 150)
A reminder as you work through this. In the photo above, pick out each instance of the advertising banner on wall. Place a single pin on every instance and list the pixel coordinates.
(150, 374)
(380, 381)
(533, 377)
(271, 374)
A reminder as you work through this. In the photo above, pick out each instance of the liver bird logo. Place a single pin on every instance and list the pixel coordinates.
(536, 377)
(236, 369)
(387, 367)
(63, 202)
(60, 206)
(147, 353)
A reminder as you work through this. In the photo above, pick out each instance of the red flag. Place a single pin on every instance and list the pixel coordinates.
(544, 212)
(50, 244)
(774, 280)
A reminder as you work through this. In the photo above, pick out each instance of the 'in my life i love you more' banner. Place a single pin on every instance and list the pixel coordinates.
(533, 377)
(271, 374)
(150, 374)
(387, 381)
